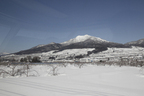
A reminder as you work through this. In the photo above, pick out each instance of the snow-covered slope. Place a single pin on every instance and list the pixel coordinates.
(136, 43)
(115, 54)
(62, 55)
(84, 38)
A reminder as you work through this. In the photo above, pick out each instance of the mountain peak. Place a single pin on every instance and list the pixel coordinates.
(82, 38)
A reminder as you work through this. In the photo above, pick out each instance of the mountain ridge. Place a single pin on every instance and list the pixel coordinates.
(139, 43)
(81, 41)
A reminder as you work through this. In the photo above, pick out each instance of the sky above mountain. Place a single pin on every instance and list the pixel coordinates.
(27, 23)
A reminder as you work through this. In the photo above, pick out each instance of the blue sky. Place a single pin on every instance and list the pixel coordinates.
(27, 23)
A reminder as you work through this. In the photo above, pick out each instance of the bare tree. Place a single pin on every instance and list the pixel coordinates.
(63, 65)
(29, 71)
(11, 70)
(53, 69)
(79, 64)
(142, 70)
(17, 70)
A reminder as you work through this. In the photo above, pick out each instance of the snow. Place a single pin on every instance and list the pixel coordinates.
(91, 80)
(82, 38)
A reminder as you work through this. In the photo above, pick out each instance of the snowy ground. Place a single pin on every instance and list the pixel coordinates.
(91, 80)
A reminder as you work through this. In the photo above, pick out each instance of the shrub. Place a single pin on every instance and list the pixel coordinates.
(36, 59)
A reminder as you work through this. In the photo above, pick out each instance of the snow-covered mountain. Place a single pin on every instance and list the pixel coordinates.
(85, 41)
(136, 43)
(84, 38)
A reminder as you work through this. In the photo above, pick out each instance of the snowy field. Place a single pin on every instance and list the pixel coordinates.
(90, 80)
